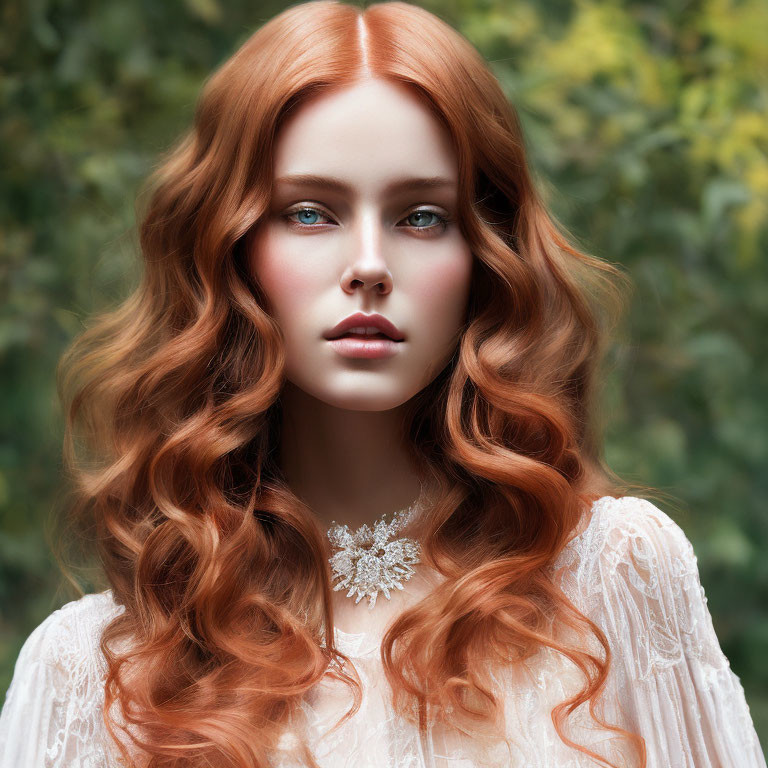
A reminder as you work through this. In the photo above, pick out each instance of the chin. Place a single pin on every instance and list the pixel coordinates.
(363, 401)
(362, 396)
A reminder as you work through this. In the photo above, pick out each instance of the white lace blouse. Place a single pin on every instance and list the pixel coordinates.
(631, 570)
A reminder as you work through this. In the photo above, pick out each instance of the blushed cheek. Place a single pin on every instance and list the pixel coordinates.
(283, 275)
(442, 295)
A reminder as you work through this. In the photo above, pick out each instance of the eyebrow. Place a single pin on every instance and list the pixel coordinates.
(394, 187)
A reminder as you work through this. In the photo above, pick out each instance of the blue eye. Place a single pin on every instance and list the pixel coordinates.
(307, 217)
(425, 214)
(303, 212)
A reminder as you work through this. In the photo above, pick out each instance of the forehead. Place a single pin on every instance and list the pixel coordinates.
(367, 136)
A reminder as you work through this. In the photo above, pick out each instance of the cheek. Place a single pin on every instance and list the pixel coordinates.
(441, 293)
(283, 275)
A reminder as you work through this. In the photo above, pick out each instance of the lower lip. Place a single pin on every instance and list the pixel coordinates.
(368, 348)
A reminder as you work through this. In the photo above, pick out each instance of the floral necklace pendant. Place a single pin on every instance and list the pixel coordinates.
(368, 562)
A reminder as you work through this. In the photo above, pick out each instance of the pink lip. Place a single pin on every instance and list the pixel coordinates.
(360, 318)
(366, 348)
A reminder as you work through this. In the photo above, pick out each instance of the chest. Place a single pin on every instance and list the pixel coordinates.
(376, 736)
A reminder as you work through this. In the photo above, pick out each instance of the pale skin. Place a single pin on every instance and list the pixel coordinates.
(322, 254)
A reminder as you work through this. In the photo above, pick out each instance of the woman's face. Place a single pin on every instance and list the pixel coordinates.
(365, 242)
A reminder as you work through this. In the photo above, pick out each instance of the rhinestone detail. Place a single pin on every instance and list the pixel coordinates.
(368, 562)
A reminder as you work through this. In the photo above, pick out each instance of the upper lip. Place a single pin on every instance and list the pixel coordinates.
(361, 319)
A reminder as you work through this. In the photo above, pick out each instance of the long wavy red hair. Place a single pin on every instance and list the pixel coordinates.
(228, 619)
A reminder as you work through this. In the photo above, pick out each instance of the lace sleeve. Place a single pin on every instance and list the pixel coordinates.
(676, 687)
(51, 717)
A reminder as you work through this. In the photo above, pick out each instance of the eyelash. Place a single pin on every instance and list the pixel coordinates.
(443, 220)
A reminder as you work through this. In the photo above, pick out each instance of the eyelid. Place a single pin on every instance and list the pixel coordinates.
(445, 217)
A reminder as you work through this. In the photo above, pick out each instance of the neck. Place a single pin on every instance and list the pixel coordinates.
(346, 465)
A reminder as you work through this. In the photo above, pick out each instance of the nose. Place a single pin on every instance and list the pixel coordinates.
(367, 266)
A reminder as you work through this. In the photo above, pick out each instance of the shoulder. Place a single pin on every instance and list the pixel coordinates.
(626, 528)
(70, 635)
(629, 526)
(636, 574)
(56, 687)
(630, 551)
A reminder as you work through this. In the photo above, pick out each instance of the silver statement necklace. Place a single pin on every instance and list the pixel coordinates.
(367, 562)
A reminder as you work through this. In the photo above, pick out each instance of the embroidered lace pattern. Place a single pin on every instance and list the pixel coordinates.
(631, 570)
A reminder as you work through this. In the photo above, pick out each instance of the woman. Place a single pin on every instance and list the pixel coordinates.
(350, 502)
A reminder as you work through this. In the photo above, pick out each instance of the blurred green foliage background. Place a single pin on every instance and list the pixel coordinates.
(646, 125)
